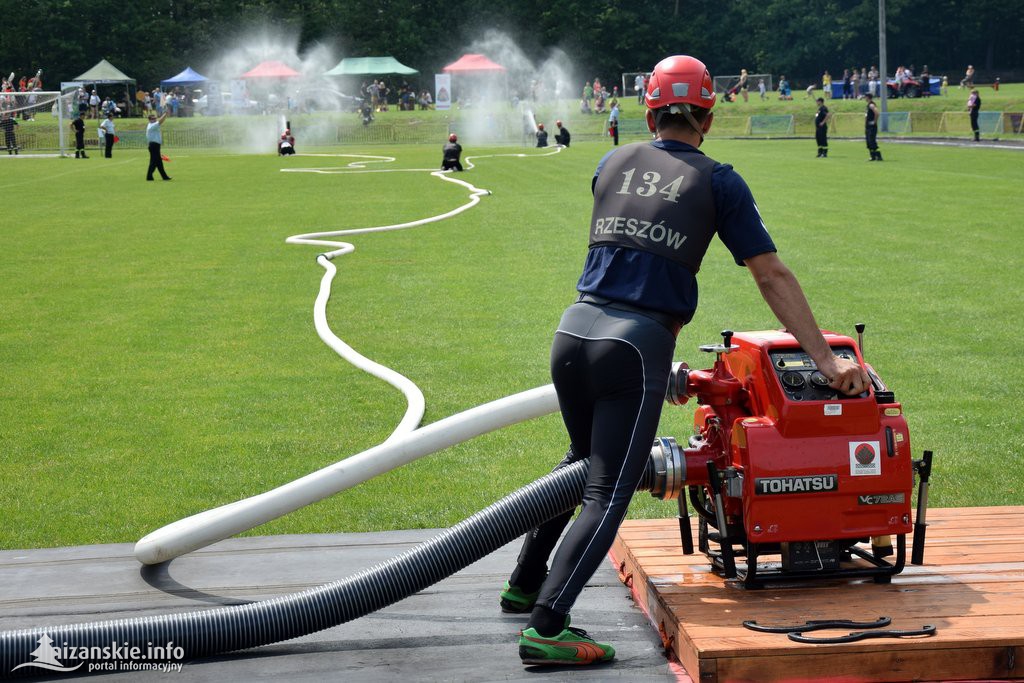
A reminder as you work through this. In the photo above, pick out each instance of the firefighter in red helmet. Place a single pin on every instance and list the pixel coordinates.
(452, 153)
(657, 206)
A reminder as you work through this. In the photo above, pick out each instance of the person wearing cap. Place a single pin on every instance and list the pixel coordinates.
(78, 125)
(562, 137)
(155, 138)
(871, 128)
(451, 154)
(657, 206)
(821, 119)
(107, 133)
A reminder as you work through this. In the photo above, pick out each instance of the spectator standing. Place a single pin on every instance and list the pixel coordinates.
(588, 94)
(944, 88)
(871, 128)
(639, 84)
(968, 81)
(854, 84)
(826, 84)
(847, 85)
(613, 122)
(761, 89)
(107, 127)
(78, 125)
(94, 105)
(742, 86)
(155, 138)
(974, 106)
(926, 82)
(821, 119)
(562, 137)
(873, 81)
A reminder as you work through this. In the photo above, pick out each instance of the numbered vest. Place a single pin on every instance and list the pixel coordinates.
(657, 201)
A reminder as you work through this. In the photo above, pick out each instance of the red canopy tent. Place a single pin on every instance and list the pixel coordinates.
(271, 69)
(471, 62)
(477, 73)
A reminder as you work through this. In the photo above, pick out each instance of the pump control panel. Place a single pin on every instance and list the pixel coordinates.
(799, 375)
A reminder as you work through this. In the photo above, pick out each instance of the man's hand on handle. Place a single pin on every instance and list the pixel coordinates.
(845, 375)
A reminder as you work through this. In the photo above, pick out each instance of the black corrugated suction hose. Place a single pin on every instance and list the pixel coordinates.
(226, 629)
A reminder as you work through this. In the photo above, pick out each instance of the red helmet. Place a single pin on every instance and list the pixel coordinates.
(453, 138)
(558, 123)
(540, 126)
(680, 79)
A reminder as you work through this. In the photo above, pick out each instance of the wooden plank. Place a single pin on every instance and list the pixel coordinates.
(984, 663)
(971, 588)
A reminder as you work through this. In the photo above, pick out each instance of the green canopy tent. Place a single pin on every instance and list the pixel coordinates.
(370, 66)
(105, 73)
(354, 67)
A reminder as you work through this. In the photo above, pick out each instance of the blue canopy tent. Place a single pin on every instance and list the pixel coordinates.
(189, 79)
(186, 78)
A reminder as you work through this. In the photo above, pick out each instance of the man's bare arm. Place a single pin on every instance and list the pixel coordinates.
(785, 297)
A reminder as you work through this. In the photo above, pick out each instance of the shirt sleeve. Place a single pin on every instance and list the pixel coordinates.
(597, 171)
(740, 226)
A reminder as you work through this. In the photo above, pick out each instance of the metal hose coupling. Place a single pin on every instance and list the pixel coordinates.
(666, 468)
(676, 394)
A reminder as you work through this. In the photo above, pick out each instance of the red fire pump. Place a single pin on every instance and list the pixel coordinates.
(782, 465)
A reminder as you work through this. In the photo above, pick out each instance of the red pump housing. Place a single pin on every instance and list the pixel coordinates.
(780, 463)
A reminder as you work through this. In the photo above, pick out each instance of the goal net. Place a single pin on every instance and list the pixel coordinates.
(34, 123)
(723, 84)
(959, 123)
(781, 124)
(629, 83)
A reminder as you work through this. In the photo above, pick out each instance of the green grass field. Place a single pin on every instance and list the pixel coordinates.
(159, 356)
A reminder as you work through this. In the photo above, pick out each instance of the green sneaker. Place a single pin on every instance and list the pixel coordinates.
(515, 601)
(571, 646)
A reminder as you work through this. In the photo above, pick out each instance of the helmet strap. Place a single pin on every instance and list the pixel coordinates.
(679, 109)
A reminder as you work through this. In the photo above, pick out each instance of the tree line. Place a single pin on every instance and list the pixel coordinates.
(152, 40)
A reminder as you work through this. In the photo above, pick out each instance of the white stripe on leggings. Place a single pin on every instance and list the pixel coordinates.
(643, 393)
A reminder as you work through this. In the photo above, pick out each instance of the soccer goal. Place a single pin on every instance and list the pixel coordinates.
(629, 83)
(989, 123)
(723, 84)
(765, 124)
(34, 123)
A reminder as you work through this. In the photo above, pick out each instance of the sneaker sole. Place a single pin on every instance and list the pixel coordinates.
(563, 662)
(510, 608)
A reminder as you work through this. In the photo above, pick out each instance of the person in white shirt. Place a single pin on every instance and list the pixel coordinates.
(155, 138)
(107, 133)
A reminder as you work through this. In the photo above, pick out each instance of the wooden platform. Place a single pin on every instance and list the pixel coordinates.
(971, 588)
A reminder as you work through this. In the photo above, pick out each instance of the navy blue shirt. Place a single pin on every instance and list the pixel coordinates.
(651, 281)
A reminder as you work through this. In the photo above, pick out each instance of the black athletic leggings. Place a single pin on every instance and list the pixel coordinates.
(610, 369)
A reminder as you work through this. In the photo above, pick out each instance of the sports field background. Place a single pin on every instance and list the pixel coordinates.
(159, 356)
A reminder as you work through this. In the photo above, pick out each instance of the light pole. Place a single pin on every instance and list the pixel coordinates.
(883, 81)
